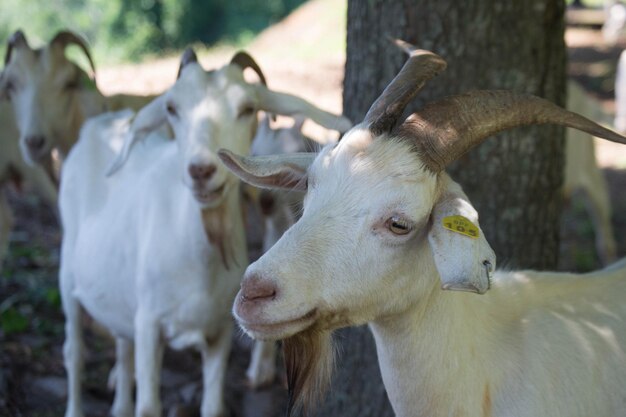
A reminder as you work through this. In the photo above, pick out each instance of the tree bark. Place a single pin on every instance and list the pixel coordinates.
(513, 179)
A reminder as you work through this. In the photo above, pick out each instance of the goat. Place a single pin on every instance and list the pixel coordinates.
(52, 96)
(14, 169)
(279, 209)
(155, 259)
(582, 171)
(384, 227)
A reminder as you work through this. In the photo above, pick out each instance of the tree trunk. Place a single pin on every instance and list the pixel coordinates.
(513, 179)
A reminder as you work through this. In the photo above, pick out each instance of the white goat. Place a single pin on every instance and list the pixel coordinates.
(279, 209)
(52, 96)
(383, 228)
(582, 171)
(14, 169)
(154, 258)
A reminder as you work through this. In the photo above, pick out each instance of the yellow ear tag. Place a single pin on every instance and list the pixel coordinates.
(462, 225)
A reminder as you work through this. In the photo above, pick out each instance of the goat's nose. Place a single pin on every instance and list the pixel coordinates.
(201, 172)
(35, 141)
(256, 288)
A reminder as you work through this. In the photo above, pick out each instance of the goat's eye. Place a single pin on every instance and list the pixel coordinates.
(171, 109)
(246, 111)
(398, 225)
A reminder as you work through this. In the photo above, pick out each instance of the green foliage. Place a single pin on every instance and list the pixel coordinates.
(29, 296)
(12, 321)
(128, 29)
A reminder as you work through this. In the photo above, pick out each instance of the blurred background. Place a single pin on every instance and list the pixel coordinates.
(121, 30)
(300, 45)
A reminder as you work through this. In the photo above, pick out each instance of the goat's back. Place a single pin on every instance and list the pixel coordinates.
(570, 340)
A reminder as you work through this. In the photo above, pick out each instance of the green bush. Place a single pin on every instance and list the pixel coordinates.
(130, 29)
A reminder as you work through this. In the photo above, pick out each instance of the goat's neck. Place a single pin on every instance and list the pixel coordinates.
(91, 104)
(440, 348)
(224, 228)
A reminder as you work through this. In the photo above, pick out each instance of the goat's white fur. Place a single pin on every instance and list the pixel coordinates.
(536, 344)
(135, 252)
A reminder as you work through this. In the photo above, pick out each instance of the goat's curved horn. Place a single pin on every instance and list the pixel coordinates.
(243, 61)
(420, 67)
(16, 40)
(446, 129)
(188, 57)
(65, 38)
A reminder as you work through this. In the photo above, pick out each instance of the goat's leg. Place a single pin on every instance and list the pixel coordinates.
(6, 224)
(599, 205)
(124, 374)
(262, 368)
(148, 361)
(73, 348)
(214, 361)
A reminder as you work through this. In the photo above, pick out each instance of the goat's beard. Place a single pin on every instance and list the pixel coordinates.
(309, 361)
(218, 229)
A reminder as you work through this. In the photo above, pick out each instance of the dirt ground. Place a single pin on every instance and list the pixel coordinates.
(32, 379)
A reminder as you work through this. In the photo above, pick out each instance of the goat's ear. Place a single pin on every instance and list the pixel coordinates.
(149, 118)
(187, 58)
(286, 104)
(286, 171)
(463, 257)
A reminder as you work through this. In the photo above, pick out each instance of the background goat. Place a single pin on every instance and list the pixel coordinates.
(582, 171)
(52, 96)
(155, 259)
(383, 228)
(278, 211)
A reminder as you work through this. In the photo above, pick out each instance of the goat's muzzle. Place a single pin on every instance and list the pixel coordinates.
(201, 172)
(261, 312)
(35, 146)
(257, 289)
(207, 188)
(256, 292)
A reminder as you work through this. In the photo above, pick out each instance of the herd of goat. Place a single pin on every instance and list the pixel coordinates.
(155, 249)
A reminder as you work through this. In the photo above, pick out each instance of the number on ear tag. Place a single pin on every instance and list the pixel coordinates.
(462, 225)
